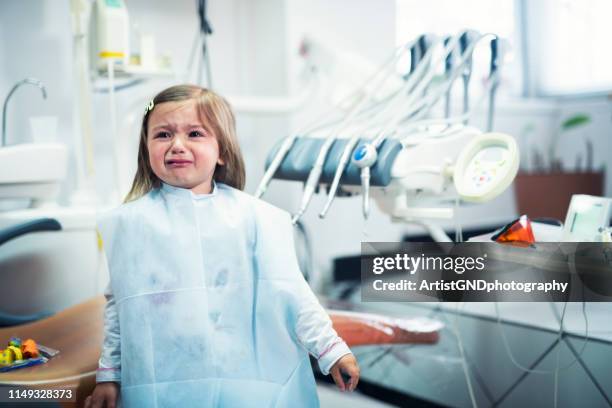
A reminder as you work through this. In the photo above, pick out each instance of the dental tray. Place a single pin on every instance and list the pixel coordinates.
(20, 354)
(24, 363)
(298, 163)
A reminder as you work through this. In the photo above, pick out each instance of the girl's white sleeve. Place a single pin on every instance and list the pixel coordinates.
(109, 365)
(315, 331)
(313, 327)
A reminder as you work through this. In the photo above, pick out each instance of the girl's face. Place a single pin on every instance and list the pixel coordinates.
(182, 152)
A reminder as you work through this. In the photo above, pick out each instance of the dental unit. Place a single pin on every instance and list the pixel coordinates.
(413, 167)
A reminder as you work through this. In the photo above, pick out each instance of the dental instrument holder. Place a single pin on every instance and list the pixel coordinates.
(299, 161)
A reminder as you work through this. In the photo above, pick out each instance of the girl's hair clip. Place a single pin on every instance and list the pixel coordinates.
(149, 106)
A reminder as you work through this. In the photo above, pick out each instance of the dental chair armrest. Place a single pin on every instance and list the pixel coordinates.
(42, 224)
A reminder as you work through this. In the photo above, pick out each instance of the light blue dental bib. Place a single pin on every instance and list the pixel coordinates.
(207, 291)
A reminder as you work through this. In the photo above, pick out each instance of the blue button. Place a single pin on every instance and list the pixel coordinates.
(360, 153)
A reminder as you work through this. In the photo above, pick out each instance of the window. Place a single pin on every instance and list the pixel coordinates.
(571, 46)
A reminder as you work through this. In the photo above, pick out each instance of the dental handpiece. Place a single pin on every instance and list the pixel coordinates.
(364, 157)
(315, 174)
(343, 162)
(313, 178)
(365, 188)
(274, 165)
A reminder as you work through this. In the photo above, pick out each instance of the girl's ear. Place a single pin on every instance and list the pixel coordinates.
(220, 161)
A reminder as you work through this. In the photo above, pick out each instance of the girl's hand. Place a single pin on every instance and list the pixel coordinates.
(347, 365)
(104, 395)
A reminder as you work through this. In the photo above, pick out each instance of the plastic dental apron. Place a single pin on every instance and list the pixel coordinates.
(207, 291)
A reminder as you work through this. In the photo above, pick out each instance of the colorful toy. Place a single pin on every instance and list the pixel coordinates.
(19, 354)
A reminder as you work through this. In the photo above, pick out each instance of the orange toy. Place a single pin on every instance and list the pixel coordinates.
(29, 348)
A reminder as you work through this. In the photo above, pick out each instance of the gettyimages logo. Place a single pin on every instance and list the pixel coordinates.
(479, 272)
(411, 264)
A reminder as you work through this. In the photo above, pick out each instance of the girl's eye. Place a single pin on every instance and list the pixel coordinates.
(196, 133)
(162, 135)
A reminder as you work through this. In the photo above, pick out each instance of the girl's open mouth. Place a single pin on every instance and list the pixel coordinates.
(178, 163)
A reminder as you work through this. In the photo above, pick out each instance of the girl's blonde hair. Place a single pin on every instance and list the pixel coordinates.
(217, 118)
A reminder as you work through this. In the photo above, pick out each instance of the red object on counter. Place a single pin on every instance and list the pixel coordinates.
(360, 329)
(518, 231)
